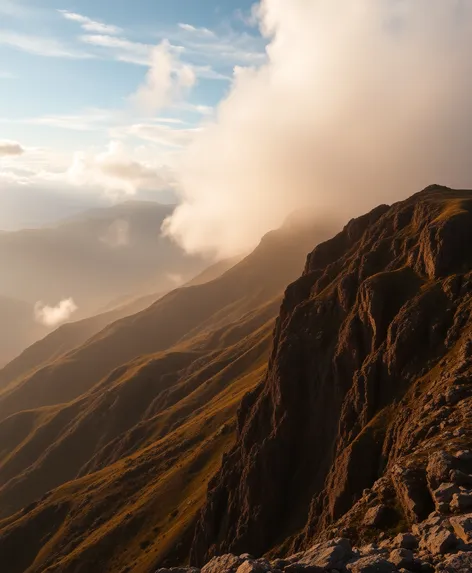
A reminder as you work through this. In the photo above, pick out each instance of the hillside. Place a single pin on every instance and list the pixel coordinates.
(111, 445)
(95, 258)
(361, 425)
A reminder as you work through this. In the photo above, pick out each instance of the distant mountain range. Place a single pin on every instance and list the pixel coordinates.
(99, 259)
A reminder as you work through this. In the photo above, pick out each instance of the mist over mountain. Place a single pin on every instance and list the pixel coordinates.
(83, 265)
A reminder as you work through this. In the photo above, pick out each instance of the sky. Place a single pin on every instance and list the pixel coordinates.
(241, 114)
(98, 99)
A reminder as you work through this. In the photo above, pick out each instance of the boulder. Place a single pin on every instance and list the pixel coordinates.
(405, 541)
(463, 527)
(224, 564)
(460, 478)
(459, 563)
(372, 564)
(412, 492)
(376, 516)
(333, 554)
(443, 496)
(439, 541)
(461, 502)
(303, 568)
(402, 558)
(254, 566)
(439, 466)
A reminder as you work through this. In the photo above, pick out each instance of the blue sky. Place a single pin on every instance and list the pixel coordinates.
(86, 84)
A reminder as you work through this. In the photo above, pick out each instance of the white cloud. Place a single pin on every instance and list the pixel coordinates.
(198, 31)
(121, 49)
(8, 148)
(360, 102)
(40, 45)
(163, 134)
(117, 171)
(53, 316)
(167, 81)
(89, 120)
(90, 25)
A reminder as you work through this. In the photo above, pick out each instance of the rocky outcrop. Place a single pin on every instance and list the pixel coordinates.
(362, 421)
(432, 547)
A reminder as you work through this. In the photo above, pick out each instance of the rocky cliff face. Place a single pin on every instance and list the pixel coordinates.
(367, 394)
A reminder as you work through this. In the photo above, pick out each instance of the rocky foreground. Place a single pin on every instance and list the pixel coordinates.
(440, 543)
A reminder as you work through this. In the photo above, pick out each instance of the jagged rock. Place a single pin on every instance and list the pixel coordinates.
(461, 502)
(303, 568)
(402, 558)
(461, 478)
(438, 469)
(178, 570)
(255, 566)
(372, 549)
(372, 564)
(224, 564)
(463, 527)
(376, 516)
(333, 554)
(280, 563)
(464, 455)
(405, 541)
(459, 563)
(411, 487)
(439, 541)
(443, 496)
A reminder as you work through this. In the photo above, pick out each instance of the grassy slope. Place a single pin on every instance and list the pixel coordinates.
(127, 430)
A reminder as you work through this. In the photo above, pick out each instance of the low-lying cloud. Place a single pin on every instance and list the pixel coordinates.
(52, 316)
(117, 171)
(10, 148)
(360, 102)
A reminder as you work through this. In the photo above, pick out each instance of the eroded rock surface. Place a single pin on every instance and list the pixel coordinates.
(362, 427)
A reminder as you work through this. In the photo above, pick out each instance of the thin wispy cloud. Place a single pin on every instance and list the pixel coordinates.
(198, 31)
(90, 25)
(163, 134)
(40, 45)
